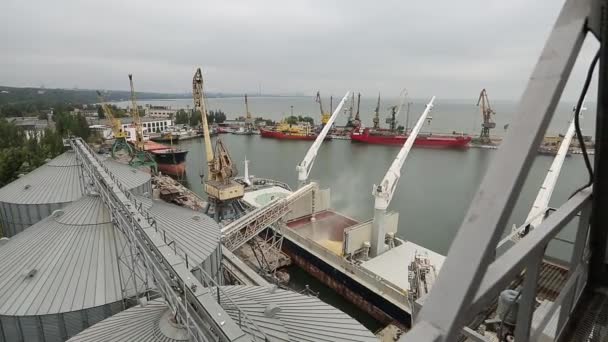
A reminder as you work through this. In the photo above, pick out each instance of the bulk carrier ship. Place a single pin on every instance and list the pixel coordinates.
(398, 135)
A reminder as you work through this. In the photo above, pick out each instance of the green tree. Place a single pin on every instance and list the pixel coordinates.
(308, 119)
(220, 117)
(195, 119)
(100, 113)
(11, 160)
(292, 120)
(181, 117)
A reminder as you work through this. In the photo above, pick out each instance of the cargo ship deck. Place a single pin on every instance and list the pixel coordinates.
(326, 245)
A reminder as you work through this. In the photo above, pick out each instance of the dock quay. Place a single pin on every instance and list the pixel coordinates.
(170, 190)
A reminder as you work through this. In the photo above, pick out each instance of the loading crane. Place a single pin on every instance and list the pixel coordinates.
(248, 119)
(395, 110)
(357, 118)
(376, 119)
(306, 165)
(324, 116)
(539, 209)
(139, 135)
(486, 114)
(120, 137)
(140, 156)
(222, 190)
(351, 111)
(384, 192)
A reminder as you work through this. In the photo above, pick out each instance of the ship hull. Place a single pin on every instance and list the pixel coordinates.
(287, 136)
(170, 161)
(162, 139)
(436, 141)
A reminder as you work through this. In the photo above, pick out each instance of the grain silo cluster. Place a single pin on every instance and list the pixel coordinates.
(282, 316)
(61, 277)
(52, 186)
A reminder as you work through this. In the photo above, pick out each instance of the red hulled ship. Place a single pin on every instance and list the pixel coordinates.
(170, 160)
(386, 137)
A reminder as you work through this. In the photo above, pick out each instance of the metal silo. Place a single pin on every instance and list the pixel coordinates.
(195, 233)
(281, 315)
(63, 274)
(52, 186)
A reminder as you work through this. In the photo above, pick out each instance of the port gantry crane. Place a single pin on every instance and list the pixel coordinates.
(120, 136)
(357, 121)
(222, 190)
(376, 119)
(248, 119)
(486, 113)
(306, 164)
(384, 192)
(324, 116)
(395, 110)
(140, 156)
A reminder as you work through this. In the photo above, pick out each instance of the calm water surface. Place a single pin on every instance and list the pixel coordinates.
(436, 186)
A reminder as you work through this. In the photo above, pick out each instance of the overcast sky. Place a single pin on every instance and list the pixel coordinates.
(448, 48)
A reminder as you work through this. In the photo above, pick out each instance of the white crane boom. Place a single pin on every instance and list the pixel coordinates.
(541, 203)
(384, 192)
(306, 165)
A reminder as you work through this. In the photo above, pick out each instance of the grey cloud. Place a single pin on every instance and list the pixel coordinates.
(449, 48)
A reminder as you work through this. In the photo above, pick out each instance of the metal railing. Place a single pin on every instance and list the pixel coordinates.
(192, 302)
(471, 277)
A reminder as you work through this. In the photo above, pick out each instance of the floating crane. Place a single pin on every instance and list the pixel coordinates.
(139, 157)
(486, 113)
(376, 119)
(324, 116)
(222, 190)
(120, 136)
(384, 192)
(306, 165)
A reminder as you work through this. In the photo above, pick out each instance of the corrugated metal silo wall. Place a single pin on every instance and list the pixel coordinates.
(211, 266)
(14, 218)
(54, 327)
(144, 190)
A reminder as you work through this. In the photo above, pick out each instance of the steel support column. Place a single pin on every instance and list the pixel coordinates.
(488, 215)
(598, 273)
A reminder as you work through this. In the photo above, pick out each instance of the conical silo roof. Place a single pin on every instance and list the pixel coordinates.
(282, 315)
(66, 262)
(37, 194)
(62, 274)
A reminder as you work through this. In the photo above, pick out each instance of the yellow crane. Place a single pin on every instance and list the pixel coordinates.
(140, 156)
(222, 190)
(139, 134)
(120, 136)
(324, 116)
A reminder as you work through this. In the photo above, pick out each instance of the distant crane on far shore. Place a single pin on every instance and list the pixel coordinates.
(486, 112)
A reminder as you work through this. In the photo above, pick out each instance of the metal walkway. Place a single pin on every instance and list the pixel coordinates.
(247, 226)
(193, 303)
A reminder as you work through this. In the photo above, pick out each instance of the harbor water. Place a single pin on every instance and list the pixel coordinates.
(436, 186)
